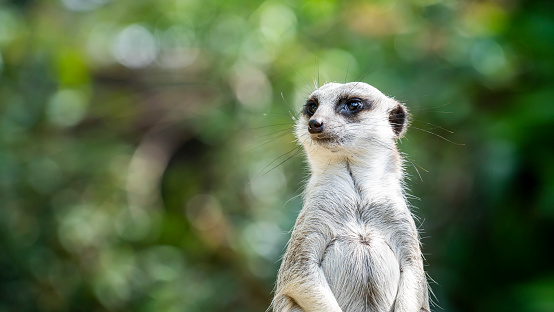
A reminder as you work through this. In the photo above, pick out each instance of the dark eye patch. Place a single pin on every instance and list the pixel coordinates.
(310, 107)
(354, 105)
(351, 106)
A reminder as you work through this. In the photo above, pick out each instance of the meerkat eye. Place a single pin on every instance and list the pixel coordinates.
(311, 107)
(354, 105)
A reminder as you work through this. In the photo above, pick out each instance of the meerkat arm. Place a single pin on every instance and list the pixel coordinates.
(412, 290)
(301, 279)
(307, 297)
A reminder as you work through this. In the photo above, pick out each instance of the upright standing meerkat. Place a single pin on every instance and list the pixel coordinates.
(355, 246)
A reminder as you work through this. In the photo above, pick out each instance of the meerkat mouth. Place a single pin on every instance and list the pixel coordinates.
(326, 140)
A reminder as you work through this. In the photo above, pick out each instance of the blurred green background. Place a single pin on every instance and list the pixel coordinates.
(145, 145)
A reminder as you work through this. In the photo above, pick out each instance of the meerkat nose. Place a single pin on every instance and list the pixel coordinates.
(315, 126)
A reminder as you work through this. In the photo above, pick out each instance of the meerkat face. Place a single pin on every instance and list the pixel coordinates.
(349, 117)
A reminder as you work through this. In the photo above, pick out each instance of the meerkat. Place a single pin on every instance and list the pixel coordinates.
(354, 246)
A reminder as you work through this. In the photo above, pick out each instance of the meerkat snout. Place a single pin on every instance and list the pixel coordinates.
(315, 126)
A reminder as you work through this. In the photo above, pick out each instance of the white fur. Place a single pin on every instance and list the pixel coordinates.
(354, 246)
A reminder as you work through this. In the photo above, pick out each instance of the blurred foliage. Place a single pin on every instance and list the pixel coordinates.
(147, 161)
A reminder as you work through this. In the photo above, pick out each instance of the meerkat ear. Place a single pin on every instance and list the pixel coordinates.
(398, 118)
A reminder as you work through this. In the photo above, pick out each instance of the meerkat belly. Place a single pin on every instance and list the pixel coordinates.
(362, 271)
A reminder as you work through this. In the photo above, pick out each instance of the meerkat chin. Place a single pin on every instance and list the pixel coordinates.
(355, 246)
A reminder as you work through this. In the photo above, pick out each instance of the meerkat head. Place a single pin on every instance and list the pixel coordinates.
(348, 118)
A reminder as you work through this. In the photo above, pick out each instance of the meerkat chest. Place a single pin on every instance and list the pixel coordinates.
(361, 268)
(358, 262)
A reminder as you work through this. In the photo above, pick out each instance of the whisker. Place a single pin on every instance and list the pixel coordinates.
(288, 106)
(317, 68)
(440, 136)
(294, 150)
(441, 112)
(265, 136)
(434, 107)
(269, 141)
(346, 75)
(275, 114)
(422, 168)
(431, 124)
(308, 89)
(298, 150)
(366, 72)
(411, 162)
(273, 125)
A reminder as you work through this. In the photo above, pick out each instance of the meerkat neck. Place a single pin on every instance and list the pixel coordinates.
(373, 176)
